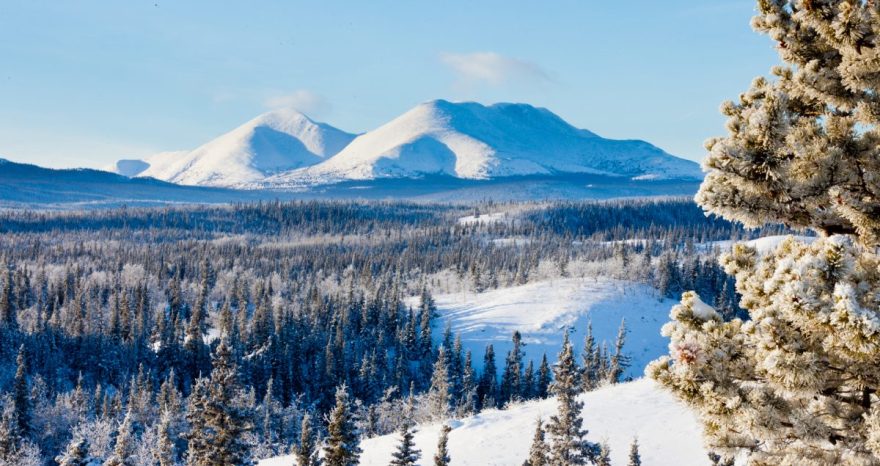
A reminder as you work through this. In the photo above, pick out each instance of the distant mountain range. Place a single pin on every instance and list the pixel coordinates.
(287, 150)
(437, 151)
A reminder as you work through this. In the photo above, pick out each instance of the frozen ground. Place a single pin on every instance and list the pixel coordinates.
(668, 433)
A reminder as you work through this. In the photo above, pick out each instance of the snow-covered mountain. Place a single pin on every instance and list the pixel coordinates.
(271, 143)
(469, 140)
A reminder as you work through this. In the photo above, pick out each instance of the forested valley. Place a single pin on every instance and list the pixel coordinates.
(157, 335)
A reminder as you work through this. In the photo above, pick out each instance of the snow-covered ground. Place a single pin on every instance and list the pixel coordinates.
(668, 433)
(542, 311)
(762, 245)
(495, 217)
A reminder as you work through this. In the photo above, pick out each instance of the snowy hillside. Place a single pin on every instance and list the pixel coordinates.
(542, 311)
(472, 141)
(668, 433)
(271, 143)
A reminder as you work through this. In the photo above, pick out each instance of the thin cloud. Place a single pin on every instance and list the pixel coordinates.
(492, 69)
(303, 100)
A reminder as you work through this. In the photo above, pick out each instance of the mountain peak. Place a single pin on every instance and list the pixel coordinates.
(471, 140)
(273, 142)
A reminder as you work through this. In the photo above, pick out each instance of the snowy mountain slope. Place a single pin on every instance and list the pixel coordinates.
(669, 435)
(270, 143)
(541, 311)
(472, 141)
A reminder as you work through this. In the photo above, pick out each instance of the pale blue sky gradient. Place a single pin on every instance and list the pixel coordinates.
(83, 83)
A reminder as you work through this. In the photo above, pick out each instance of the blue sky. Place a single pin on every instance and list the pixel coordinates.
(83, 83)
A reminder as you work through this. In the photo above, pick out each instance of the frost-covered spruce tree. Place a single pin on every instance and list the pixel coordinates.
(343, 443)
(21, 395)
(123, 450)
(406, 454)
(441, 458)
(635, 458)
(165, 453)
(306, 453)
(569, 447)
(604, 456)
(439, 396)
(797, 382)
(76, 453)
(538, 452)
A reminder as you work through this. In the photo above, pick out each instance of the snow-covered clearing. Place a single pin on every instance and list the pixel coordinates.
(762, 245)
(668, 433)
(542, 311)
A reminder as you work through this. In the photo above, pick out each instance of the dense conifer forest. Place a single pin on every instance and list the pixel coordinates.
(221, 335)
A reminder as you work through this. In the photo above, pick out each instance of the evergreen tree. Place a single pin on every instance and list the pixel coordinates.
(799, 379)
(635, 459)
(441, 458)
(590, 376)
(604, 456)
(76, 453)
(618, 362)
(21, 395)
(9, 438)
(218, 422)
(569, 445)
(8, 316)
(342, 448)
(439, 396)
(488, 380)
(166, 450)
(544, 378)
(538, 452)
(406, 453)
(123, 450)
(511, 379)
(306, 453)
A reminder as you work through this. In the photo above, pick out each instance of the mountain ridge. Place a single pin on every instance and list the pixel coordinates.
(465, 140)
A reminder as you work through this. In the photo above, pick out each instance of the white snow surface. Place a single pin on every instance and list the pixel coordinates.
(542, 311)
(668, 433)
(271, 143)
(762, 245)
(472, 141)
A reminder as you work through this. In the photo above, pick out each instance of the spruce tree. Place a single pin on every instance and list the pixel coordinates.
(166, 450)
(21, 395)
(619, 362)
(8, 316)
(635, 459)
(488, 380)
(9, 438)
(406, 454)
(306, 453)
(442, 458)
(342, 448)
(604, 456)
(590, 376)
(439, 396)
(123, 450)
(218, 421)
(569, 447)
(76, 453)
(539, 451)
(799, 379)
(544, 378)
